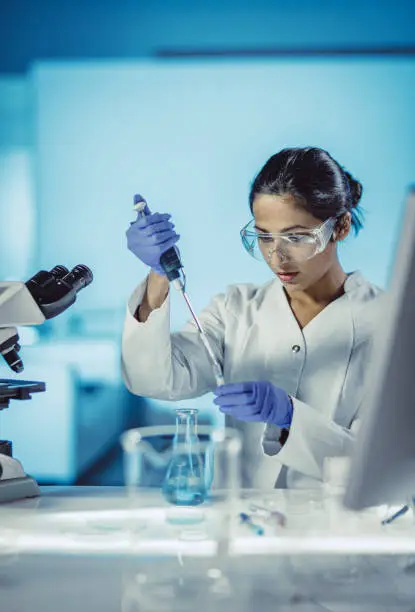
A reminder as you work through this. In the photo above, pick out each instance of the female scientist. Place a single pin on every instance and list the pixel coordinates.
(293, 351)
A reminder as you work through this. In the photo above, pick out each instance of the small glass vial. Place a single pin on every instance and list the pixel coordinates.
(184, 484)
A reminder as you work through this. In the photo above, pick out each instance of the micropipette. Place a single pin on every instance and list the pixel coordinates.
(174, 271)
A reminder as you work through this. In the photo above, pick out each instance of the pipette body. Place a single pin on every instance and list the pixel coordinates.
(172, 265)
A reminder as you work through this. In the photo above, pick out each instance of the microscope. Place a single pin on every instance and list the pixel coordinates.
(42, 297)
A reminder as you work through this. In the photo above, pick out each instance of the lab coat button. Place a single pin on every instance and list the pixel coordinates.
(295, 348)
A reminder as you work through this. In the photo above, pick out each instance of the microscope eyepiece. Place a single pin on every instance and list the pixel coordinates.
(59, 271)
(79, 277)
(56, 290)
(53, 292)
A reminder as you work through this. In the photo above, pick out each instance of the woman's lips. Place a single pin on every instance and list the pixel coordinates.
(287, 276)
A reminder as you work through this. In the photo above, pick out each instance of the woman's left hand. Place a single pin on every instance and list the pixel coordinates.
(255, 401)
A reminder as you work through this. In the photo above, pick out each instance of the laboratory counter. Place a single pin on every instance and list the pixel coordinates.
(92, 548)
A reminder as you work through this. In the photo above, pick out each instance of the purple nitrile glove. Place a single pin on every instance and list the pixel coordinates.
(150, 236)
(255, 401)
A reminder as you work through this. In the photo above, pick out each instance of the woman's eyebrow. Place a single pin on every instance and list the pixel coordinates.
(284, 230)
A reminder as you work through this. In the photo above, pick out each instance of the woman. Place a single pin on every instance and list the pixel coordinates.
(294, 350)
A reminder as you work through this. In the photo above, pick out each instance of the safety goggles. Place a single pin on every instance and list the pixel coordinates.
(293, 246)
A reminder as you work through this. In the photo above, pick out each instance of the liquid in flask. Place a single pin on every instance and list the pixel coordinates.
(184, 484)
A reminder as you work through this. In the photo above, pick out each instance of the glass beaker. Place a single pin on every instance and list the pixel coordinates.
(185, 480)
(153, 467)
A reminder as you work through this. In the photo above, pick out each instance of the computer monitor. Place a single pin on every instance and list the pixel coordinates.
(383, 463)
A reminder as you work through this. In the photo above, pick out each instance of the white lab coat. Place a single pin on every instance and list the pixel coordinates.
(255, 336)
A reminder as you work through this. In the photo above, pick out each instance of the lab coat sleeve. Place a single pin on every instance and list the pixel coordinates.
(172, 366)
(312, 438)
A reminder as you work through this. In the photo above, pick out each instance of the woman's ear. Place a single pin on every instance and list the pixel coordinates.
(343, 227)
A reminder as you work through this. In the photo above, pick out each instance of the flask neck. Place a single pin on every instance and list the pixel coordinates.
(186, 427)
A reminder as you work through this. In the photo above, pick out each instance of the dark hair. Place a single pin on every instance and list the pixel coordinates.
(315, 180)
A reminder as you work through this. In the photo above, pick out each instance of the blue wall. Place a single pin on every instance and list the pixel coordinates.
(191, 137)
(126, 29)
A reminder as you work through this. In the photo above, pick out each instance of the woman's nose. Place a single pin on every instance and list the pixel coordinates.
(280, 254)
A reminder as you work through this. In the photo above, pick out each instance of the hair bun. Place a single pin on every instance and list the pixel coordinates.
(356, 189)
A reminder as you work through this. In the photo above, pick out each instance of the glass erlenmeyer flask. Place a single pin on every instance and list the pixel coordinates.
(184, 484)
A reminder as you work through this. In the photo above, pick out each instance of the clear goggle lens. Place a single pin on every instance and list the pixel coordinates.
(298, 246)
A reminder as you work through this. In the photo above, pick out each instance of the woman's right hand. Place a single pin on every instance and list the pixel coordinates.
(149, 237)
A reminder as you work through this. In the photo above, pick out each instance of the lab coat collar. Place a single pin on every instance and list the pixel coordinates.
(353, 280)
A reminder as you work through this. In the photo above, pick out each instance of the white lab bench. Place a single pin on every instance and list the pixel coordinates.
(75, 549)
